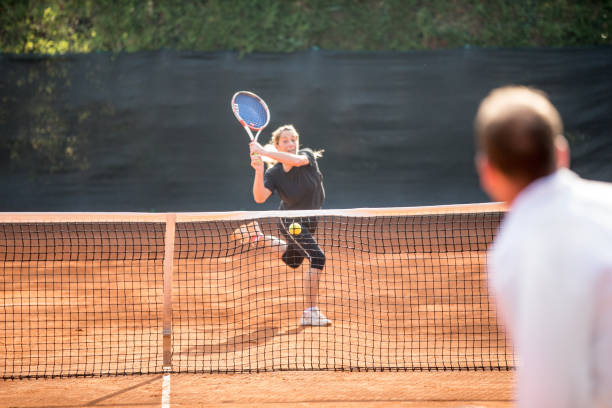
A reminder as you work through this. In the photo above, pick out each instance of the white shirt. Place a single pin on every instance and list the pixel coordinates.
(551, 275)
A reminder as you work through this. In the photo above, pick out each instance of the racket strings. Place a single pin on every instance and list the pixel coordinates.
(251, 111)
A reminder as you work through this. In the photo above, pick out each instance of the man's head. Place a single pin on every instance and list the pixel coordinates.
(519, 138)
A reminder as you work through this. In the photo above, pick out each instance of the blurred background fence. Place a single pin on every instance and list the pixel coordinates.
(125, 107)
(153, 131)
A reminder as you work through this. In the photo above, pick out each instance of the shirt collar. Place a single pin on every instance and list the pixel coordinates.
(543, 187)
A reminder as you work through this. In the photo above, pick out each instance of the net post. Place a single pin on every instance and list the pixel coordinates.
(167, 304)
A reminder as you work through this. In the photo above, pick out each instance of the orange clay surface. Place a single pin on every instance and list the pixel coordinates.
(278, 389)
(240, 313)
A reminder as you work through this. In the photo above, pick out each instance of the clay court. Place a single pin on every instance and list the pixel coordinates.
(410, 327)
(275, 389)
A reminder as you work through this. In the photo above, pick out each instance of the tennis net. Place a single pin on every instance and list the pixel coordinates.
(107, 294)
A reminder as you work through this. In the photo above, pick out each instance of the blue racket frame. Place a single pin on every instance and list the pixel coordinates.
(251, 111)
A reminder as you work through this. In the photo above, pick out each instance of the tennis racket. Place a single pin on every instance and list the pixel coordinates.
(251, 111)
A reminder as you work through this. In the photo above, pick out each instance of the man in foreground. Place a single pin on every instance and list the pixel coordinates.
(550, 267)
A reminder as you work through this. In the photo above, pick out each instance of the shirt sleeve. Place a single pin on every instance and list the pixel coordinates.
(269, 179)
(310, 154)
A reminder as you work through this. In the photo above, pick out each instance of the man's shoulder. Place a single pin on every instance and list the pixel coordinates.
(595, 193)
(520, 229)
(544, 220)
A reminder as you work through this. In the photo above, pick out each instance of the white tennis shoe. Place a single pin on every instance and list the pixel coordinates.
(313, 317)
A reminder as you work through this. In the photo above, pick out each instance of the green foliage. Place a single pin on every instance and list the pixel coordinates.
(43, 28)
(67, 26)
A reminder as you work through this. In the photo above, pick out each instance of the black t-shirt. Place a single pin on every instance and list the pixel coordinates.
(301, 188)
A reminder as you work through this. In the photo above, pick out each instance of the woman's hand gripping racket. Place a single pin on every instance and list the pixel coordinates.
(251, 111)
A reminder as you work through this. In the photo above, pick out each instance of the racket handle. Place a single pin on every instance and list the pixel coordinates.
(251, 136)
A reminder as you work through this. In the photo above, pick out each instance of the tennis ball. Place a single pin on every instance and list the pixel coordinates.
(295, 229)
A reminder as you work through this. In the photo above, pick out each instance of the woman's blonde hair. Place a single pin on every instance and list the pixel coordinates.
(275, 138)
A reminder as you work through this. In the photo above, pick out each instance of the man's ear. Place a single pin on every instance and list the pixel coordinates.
(562, 151)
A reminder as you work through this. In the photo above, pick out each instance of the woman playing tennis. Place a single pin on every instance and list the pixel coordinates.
(299, 183)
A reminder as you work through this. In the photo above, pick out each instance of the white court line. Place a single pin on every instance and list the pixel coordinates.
(165, 403)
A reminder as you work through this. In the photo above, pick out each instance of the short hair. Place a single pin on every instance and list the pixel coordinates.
(516, 128)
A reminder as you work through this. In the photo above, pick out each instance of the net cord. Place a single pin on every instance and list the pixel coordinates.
(63, 217)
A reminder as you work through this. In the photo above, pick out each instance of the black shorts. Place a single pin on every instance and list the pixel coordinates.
(303, 244)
